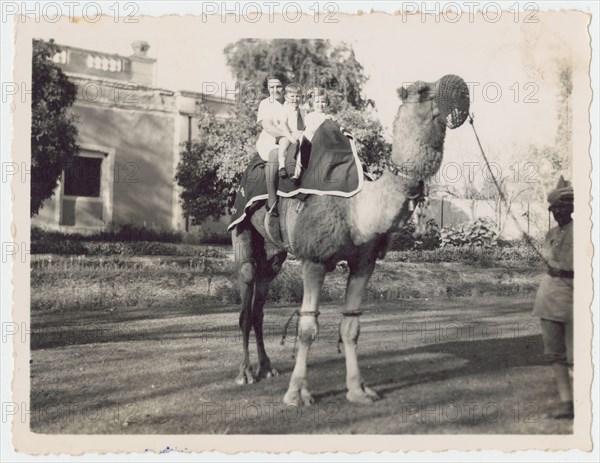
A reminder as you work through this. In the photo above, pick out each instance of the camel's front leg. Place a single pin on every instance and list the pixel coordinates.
(350, 329)
(313, 275)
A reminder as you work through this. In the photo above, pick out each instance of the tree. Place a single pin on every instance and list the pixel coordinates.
(556, 158)
(311, 63)
(230, 143)
(203, 193)
(564, 132)
(371, 145)
(207, 173)
(53, 130)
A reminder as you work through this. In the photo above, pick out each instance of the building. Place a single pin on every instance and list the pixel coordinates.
(130, 135)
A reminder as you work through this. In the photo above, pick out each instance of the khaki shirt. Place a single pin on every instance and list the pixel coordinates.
(554, 299)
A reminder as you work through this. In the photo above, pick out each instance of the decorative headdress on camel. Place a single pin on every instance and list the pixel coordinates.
(452, 99)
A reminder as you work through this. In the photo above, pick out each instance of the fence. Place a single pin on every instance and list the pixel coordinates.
(532, 217)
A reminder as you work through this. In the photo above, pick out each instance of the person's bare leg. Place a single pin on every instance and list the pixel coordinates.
(563, 382)
(297, 168)
(562, 377)
(284, 143)
(272, 178)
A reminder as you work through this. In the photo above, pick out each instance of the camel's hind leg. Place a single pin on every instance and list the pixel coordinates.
(268, 271)
(257, 267)
(360, 273)
(313, 275)
(246, 270)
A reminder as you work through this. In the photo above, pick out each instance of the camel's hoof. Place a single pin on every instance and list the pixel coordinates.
(292, 399)
(307, 398)
(246, 376)
(365, 395)
(267, 372)
(371, 393)
(298, 398)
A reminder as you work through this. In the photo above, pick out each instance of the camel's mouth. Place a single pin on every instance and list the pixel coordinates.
(452, 100)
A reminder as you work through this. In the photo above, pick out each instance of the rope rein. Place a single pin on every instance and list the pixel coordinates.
(314, 313)
(503, 199)
(298, 314)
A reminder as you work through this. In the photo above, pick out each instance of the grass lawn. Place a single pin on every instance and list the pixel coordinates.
(443, 365)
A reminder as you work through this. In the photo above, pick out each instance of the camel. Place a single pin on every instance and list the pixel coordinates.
(331, 229)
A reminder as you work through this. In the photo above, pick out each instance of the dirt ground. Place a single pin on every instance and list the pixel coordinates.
(442, 366)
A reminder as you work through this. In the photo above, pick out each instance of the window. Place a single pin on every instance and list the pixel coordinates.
(82, 177)
(87, 188)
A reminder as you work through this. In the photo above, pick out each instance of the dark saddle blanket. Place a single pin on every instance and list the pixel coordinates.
(332, 167)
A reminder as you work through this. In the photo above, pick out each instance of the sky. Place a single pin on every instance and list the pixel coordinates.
(511, 65)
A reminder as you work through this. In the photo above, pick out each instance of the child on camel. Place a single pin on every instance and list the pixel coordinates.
(313, 121)
(293, 123)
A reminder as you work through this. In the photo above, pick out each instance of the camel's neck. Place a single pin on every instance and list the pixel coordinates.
(380, 207)
(383, 205)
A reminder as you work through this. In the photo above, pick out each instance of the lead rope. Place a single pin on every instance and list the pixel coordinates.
(503, 199)
(296, 313)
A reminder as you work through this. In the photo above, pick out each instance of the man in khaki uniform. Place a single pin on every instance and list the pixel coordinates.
(554, 299)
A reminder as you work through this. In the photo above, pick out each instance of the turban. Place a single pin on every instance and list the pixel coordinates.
(563, 193)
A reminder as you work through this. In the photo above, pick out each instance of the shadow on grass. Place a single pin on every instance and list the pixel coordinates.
(388, 372)
(180, 352)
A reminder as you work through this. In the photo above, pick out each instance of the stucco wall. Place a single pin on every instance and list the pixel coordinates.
(142, 129)
(143, 163)
(137, 131)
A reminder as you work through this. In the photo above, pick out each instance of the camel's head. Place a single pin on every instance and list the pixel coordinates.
(420, 124)
(446, 100)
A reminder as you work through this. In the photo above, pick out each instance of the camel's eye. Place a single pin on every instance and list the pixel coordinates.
(424, 93)
(421, 87)
(402, 93)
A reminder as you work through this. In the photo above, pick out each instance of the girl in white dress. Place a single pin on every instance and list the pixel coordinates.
(313, 121)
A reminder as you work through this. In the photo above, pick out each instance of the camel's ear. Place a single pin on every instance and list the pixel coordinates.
(402, 93)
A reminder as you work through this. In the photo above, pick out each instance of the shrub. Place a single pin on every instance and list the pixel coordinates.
(126, 232)
(127, 240)
(222, 238)
(478, 256)
(404, 239)
(287, 286)
(479, 233)
(142, 248)
(132, 232)
(227, 293)
(57, 247)
(522, 252)
(131, 249)
(431, 239)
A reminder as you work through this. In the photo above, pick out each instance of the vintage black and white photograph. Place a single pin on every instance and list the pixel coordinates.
(305, 221)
